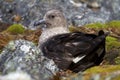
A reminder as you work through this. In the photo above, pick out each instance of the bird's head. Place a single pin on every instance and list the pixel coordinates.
(52, 19)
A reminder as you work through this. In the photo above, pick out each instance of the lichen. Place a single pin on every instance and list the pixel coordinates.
(16, 29)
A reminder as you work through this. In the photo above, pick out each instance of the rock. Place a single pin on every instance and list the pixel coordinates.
(17, 18)
(16, 76)
(76, 4)
(94, 5)
(9, 0)
(22, 55)
(113, 7)
(90, 17)
(28, 11)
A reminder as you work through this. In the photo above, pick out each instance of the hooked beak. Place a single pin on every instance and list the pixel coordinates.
(40, 22)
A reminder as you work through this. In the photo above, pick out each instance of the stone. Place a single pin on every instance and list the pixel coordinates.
(19, 75)
(22, 55)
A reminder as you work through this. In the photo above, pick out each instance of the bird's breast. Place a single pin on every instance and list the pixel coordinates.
(48, 33)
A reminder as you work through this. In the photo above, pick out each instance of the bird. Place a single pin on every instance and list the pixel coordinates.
(75, 51)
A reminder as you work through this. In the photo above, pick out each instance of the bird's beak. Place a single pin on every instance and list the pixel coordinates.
(40, 22)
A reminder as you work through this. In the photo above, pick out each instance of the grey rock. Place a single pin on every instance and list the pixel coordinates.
(21, 55)
(90, 17)
(16, 76)
(113, 7)
(32, 10)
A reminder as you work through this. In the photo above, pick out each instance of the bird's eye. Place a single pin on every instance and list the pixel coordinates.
(51, 16)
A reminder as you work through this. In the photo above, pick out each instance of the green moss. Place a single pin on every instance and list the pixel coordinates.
(112, 42)
(112, 26)
(96, 25)
(116, 78)
(114, 23)
(102, 69)
(16, 29)
(117, 60)
(73, 29)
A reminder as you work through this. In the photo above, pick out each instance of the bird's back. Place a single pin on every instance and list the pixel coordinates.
(75, 51)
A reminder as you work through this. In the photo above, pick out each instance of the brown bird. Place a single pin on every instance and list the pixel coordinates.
(75, 51)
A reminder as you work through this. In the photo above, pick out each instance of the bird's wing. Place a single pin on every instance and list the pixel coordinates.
(70, 48)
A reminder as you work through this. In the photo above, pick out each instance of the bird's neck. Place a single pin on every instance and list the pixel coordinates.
(46, 34)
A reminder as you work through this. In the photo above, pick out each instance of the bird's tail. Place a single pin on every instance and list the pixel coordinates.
(101, 32)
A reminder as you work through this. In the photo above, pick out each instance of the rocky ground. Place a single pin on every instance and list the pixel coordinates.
(20, 56)
(78, 12)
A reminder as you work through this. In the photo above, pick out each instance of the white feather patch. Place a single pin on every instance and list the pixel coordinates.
(77, 59)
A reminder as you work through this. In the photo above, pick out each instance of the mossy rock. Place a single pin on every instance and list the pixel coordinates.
(16, 29)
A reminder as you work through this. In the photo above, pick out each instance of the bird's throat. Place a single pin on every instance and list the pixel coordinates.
(47, 33)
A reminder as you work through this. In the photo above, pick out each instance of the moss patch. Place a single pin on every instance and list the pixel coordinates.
(103, 69)
(97, 25)
(117, 60)
(106, 72)
(114, 23)
(112, 42)
(16, 29)
(113, 27)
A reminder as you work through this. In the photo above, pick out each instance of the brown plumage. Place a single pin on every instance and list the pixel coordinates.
(74, 51)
